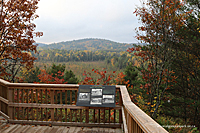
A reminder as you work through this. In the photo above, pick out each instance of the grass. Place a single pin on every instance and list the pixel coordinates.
(78, 68)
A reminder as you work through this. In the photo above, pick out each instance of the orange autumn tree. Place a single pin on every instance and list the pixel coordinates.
(46, 78)
(161, 20)
(16, 36)
(104, 78)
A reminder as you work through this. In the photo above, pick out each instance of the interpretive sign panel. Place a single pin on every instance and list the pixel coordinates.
(96, 96)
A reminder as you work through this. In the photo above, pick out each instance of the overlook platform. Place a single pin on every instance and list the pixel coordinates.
(52, 107)
(18, 128)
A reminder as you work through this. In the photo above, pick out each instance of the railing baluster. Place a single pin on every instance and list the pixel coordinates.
(56, 101)
(109, 115)
(94, 115)
(66, 104)
(17, 100)
(137, 129)
(70, 112)
(120, 111)
(46, 96)
(99, 118)
(129, 123)
(61, 97)
(41, 110)
(22, 95)
(114, 116)
(60, 103)
(134, 127)
(52, 102)
(87, 115)
(14, 101)
(75, 115)
(27, 111)
(81, 115)
(116, 97)
(46, 99)
(66, 115)
(75, 96)
(70, 97)
(70, 104)
(36, 98)
(32, 102)
(104, 114)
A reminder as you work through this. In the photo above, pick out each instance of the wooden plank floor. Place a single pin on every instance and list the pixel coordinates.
(17, 128)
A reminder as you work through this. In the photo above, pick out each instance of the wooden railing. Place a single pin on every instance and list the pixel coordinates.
(55, 104)
(134, 119)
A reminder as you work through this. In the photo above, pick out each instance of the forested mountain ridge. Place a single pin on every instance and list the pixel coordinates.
(40, 44)
(87, 44)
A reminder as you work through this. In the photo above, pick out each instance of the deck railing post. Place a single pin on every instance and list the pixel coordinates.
(10, 93)
(4, 107)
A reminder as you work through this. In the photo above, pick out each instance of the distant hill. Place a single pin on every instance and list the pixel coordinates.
(87, 44)
(41, 44)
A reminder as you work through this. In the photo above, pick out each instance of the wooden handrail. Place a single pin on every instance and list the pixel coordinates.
(3, 82)
(137, 120)
(134, 119)
(33, 85)
(53, 103)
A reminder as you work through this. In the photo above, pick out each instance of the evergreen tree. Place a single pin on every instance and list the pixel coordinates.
(70, 77)
(131, 74)
(54, 69)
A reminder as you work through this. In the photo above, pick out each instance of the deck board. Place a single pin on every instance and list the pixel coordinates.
(32, 129)
(22, 128)
(25, 128)
(15, 129)
(72, 129)
(43, 128)
(54, 129)
(106, 129)
(48, 129)
(8, 128)
(60, 129)
(18, 128)
(111, 130)
(78, 129)
(66, 129)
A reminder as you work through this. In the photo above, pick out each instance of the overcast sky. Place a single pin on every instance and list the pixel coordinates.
(66, 20)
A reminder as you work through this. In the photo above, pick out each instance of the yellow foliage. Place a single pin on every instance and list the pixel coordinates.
(129, 55)
(48, 56)
(57, 54)
(112, 61)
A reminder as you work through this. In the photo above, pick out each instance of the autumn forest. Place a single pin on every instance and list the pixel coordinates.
(161, 73)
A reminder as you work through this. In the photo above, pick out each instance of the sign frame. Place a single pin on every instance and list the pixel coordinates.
(96, 96)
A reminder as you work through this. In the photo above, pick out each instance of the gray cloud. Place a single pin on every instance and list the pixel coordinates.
(64, 20)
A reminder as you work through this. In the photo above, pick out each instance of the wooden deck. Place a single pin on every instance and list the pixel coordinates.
(18, 128)
(25, 105)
